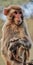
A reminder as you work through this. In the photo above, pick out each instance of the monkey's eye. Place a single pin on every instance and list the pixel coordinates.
(13, 17)
(15, 12)
(21, 16)
(20, 12)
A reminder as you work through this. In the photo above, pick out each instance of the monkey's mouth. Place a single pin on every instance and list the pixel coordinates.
(19, 22)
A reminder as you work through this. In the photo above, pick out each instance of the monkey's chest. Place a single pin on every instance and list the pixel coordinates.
(18, 33)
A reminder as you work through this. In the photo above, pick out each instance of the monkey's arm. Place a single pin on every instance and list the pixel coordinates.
(4, 40)
(27, 35)
(26, 30)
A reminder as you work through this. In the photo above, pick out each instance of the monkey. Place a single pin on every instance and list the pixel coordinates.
(15, 36)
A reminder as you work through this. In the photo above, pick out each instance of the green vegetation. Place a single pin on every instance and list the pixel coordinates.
(12, 2)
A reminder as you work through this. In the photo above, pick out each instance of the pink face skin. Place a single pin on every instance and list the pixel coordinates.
(18, 17)
(15, 15)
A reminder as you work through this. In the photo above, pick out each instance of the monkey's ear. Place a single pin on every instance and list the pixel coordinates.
(6, 11)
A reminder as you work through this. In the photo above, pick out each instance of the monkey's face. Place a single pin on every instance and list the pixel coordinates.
(15, 15)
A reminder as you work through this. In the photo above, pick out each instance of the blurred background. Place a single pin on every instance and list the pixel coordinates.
(27, 6)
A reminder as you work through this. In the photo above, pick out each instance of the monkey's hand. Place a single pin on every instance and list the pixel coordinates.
(14, 39)
(25, 42)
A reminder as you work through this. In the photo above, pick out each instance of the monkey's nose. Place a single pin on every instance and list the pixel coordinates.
(18, 16)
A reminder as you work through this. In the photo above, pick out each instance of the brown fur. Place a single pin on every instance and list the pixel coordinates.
(10, 31)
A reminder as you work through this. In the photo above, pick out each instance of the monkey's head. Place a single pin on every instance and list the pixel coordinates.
(14, 14)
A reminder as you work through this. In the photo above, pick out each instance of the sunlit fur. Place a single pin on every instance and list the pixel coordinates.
(13, 29)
